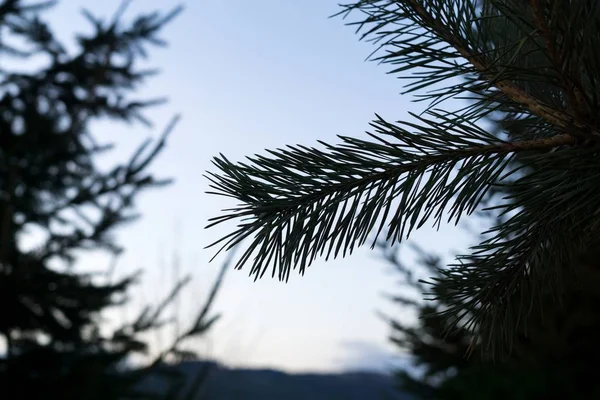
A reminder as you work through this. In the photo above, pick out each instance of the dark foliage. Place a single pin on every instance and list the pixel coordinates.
(49, 179)
(533, 64)
(555, 360)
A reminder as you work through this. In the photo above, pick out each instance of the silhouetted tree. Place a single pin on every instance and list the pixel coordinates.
(448, 364)
(55, 347)
(555, 361)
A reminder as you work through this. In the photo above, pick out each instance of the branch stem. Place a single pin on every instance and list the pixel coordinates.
(555, 117)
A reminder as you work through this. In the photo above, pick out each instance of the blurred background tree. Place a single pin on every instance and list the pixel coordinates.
(554, 361)
(446, 363)
(56, 343)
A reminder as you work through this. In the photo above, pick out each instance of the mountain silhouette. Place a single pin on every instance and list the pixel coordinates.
(225, 383)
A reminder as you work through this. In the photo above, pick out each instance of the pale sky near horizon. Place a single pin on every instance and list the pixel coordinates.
(247, 76)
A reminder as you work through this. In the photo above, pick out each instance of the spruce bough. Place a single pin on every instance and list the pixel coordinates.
(532, 66)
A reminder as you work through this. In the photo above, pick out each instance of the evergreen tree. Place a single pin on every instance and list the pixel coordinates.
(534, 65)
(50, 315)
(449, 367)
(558, 364)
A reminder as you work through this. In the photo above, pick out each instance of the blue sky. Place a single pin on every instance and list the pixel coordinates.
(247, 76)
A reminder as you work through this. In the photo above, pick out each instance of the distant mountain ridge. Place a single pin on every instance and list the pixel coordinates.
(223, 383)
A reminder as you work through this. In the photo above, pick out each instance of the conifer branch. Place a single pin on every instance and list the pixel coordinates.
(573, 94)
(536, 106)
(299, 203)
(304, 202)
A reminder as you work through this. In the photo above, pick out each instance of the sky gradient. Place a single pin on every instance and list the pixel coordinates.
(247, 76)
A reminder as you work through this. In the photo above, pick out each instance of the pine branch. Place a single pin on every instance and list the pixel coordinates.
(536, 106)
(303, 202)
(300, 203)
(417, 13)
(508, 276)
(571, 87)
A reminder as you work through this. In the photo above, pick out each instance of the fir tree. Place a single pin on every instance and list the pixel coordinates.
(534, 65)
(50, 315)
